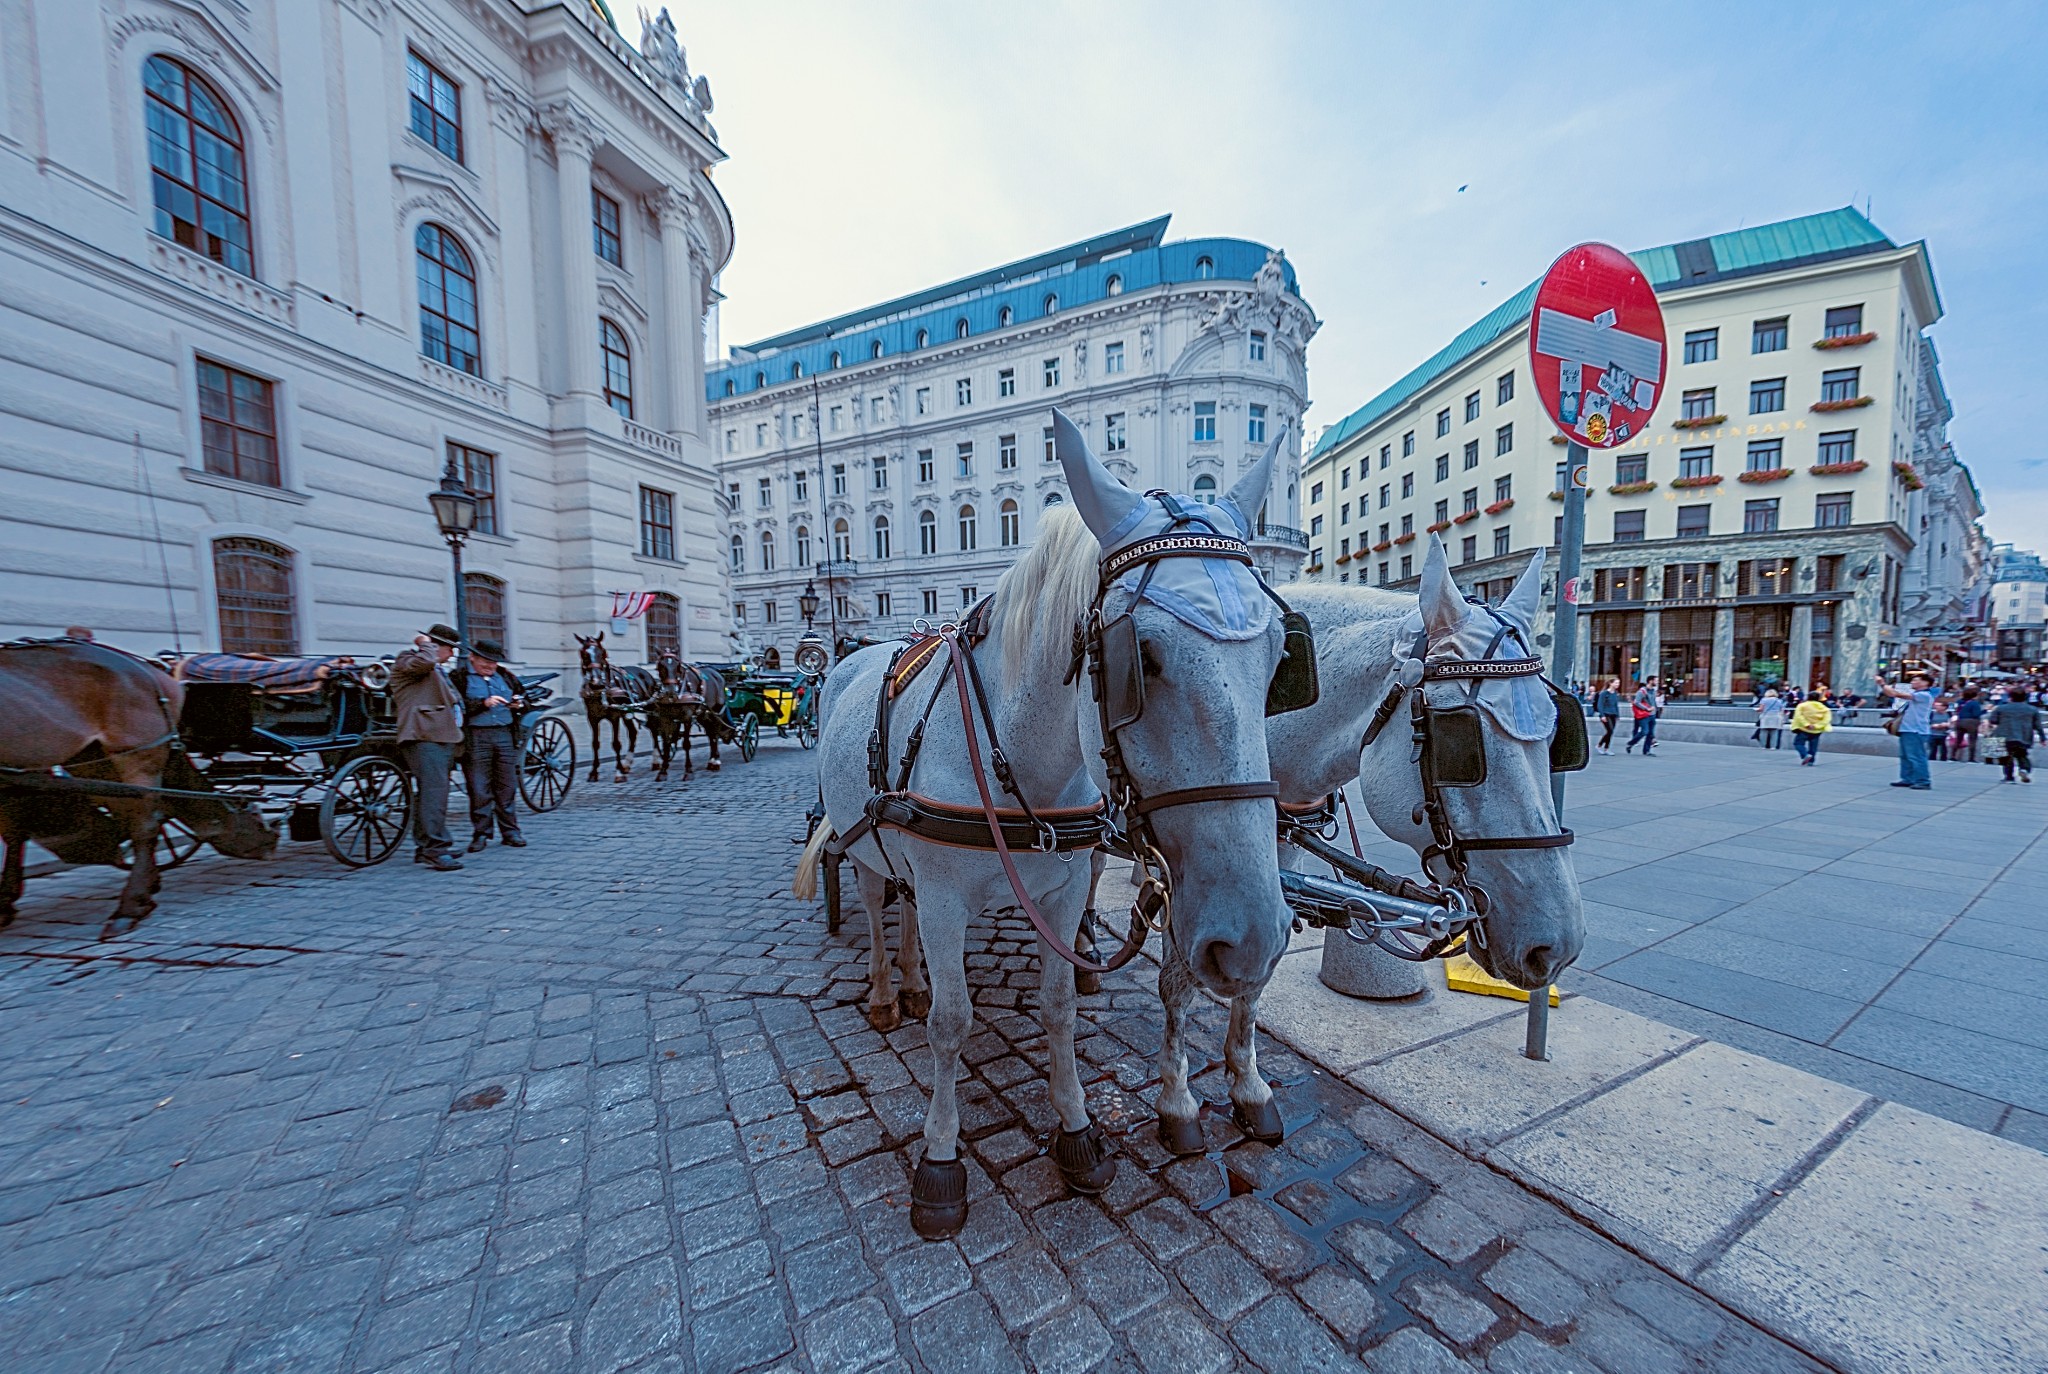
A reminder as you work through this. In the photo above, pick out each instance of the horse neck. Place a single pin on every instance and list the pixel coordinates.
(1315, 751)
(1033, 707)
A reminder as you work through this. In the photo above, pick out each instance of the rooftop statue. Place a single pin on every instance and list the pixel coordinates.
(659, 46)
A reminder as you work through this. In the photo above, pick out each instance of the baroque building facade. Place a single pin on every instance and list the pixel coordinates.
(270, 269)
(1794, 513)
(897, 459)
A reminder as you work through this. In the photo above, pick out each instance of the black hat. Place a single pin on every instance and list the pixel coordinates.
(444, 634)
(488, 648)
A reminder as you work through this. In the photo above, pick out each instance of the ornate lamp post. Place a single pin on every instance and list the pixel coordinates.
(454, 510)
(807, 603)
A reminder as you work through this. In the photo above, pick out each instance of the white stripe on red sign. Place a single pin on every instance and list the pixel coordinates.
(1582, 341)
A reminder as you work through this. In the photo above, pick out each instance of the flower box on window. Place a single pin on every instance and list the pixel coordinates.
(1557, 496)
(1846, 340)
(1838, 469)
(1383, 546)
(1314, 568)
(1497, 507)
(1765, 475)
(1908, 476)
(1712, 479)
(1559, 440)
(1407, 538)
(1853, 403)
(1703, 422)
(1631, 488)
(1464, 517)
(1342, 559)
(1438, 526)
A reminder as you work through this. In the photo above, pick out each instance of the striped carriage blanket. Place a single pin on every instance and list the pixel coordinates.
(281, 675)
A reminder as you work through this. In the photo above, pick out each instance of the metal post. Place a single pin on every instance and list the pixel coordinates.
(461, 592)
(1564, 652)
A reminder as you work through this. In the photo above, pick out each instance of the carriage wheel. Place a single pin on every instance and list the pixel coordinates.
(750, 737)
(175, 843)
(806, 732)
(366, 811)
(547, 765)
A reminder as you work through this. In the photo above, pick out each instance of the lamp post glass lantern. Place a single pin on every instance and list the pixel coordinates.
(454, 507)
(807, 602)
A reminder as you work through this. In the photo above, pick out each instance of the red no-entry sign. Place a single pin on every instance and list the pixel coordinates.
(1596, 346)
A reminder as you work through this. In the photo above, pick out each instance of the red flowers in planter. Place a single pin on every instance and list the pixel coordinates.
(1497, 507)
(1846, 340)
(1464, 517)
(1908, 476)
(1712, 479)
(1626, 489)
(1765, 475)
(1383, 546)
(1838, 469)
(1407, 538)
(1437, 526)
(1853, 403)
(1342, 559)
(1703, 422)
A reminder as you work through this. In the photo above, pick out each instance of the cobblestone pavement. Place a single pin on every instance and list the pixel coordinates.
(609, 1103)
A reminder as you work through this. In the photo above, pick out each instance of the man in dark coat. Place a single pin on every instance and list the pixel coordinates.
(490, 758)
(429, 729)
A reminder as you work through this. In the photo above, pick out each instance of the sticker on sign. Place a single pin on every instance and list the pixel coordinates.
(1596, 346)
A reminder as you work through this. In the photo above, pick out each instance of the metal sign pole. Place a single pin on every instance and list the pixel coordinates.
(1564, 653)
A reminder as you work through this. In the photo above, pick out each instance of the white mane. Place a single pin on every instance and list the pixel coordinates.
(1045, 592)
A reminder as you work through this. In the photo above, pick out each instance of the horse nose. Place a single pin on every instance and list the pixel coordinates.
(1227, 963)
(1541, 963)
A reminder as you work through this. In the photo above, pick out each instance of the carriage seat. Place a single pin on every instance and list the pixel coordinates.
(277, 676)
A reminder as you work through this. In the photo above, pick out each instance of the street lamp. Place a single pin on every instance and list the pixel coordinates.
(454, 508)
(807, 602)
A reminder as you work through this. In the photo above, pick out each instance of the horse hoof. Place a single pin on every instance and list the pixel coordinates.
(1261, 1123)
(938, 1198)
(1087, 984)
(711, 767)
(884, 1019)
(916, 1005)
(1182, 1137)
(1084, 1159)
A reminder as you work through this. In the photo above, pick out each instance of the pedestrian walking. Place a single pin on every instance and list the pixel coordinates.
(490, 757)
(1607, 706)
(1969, 722)
(429, 728)
(1911, 723)
(1810, 720)
(1938, 721)
(2017, 721)
(1770, 719)
(1643, 707)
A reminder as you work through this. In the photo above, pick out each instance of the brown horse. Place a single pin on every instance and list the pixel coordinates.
(614, 694)
(106, 716)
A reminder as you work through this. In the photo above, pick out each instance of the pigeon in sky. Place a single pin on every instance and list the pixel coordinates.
(1461, 189)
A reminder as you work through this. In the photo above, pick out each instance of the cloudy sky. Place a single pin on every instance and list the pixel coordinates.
(877, 148)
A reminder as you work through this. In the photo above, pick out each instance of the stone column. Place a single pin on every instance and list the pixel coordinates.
(1799, 648)
(682, 317)
(575, 136)
(1722, 682)
(1650, 653)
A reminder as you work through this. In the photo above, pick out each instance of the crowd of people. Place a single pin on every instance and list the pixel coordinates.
(467, 712)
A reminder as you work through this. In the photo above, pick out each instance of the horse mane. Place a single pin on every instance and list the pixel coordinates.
(1043, 593)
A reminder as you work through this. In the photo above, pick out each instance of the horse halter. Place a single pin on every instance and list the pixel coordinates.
(1448, 747)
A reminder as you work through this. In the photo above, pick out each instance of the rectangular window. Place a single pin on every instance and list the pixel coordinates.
(1472, 453)
(1407, 524)
(924, 400)
(1838, 446)
(1344, 547)
(1469, 501)
(1052, 371)
(1205, 422)
(882, 605)
(1114, 439)
(1768, 336)
(1694, 521)
(1383, 572)
(1407, 484)
(927, 533)
(1504, 488)
(1696, 462)
(963, 459)
(732, 497)
(1386, 494)
(1006, 452)
(238, 424)
(1408, 444)
(1630, 468)
(1504, 390)
(963, 392)
(768, 613)
(1760, 517)
(1384, 531)
(1831, 511)
(801, 487)
(1112, 358)
(1407, 566)
(761, 434)
(968, 596)
(1315, 524)
(1842, 384)
(1561, 478)
(839, 479)
(1843, 321)
(1344, 479)
(479, 472)
(1702, 345)
(925, 466)
(1767, 396)
(604, 228)
(739, 612)
(1443, 467)
(1500, 541)
(1257, 351)
(1443, 512)
(1006, 385)
(435, 102)
(732, 441)
(1696, 405)
(1443, 422)
(658, 523)
(1827, 572)
(1344, 513)
(1315, 494)
(838, 420)
(930, 599)
(1468, 550)
(1628, 526)
(1255, 428)
(764, 494)
(1386, 455)
(1051, 455)
(877, 410)
(1472, 407)
(881, 474)
(1504, 440)
(1765, 455)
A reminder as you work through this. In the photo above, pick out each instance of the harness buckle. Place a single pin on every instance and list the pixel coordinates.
(1048, 841)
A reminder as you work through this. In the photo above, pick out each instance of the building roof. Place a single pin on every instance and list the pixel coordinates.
(1791, 243)
(1076, 273)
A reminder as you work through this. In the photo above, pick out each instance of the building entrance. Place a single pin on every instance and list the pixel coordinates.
(1686, 659)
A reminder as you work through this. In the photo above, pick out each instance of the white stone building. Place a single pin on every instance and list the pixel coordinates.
(266, 267)
(2019, 606)
(898, 456)
(1794, 512)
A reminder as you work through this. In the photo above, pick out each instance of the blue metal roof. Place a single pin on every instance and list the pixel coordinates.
(1790, 243)
(1077, 274)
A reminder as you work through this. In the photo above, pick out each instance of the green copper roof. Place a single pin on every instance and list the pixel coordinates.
(1697, 262)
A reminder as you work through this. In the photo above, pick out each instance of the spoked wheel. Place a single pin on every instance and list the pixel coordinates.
(175, 843)
(366, 811)
(547, 765)
(806, 733)
(750, 737)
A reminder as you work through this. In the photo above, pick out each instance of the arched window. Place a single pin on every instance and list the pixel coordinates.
(1205, 489)
(881, 538)
(739, 554)
(1114, 286)
(1007, 519)
(1053, 498)
(664, 625)
(448, 318)
(842, 541)
(618, 367)
(1052, 304)
(960, 329)
(197, 176)
(923, 337)
(767, 550)
(803, 545)
(729, 388)
(1205, 268)
(760, 380)
(796, 369)
(252, 584)
(875, 349)
(1004, 318)
(483, 596)
(967, 529)
(835, 360)
(927, 532)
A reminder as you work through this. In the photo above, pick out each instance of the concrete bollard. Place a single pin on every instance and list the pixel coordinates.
(1358, 969)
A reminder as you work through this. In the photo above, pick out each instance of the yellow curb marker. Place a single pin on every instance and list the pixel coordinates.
(1465, 976)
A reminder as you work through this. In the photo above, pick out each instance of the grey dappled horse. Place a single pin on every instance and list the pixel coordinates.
(1203, 723)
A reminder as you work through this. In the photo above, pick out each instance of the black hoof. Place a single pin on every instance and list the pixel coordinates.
(1261, 1123)
(1084, 1159)
(1087, 984)
(1182, 1137)
(938, 1198)
(916, 1005)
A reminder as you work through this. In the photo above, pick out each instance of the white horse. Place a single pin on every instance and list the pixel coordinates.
(1203, 724)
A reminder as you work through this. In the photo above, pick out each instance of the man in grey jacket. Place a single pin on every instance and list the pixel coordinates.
(429, 729)
(2016, 720)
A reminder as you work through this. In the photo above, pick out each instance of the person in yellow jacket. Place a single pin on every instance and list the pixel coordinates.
(1811, 719)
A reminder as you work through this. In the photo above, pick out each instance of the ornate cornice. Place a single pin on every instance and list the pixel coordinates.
(570, 128)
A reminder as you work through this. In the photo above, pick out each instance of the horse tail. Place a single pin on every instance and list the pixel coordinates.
(805, 887)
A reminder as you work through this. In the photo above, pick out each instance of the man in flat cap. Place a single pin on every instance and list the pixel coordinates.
(429, 729)
(490, 759)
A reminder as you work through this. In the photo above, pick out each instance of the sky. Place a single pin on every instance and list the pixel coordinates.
(1418, 163)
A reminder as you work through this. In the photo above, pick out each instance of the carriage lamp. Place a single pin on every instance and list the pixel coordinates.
(807, 602)
(454, 507)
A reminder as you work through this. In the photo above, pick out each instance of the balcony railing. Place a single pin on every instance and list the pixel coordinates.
(1281, 534)
(838, 567)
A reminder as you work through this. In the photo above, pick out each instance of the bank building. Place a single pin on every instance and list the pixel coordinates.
(1794, 513)
(895, 460)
